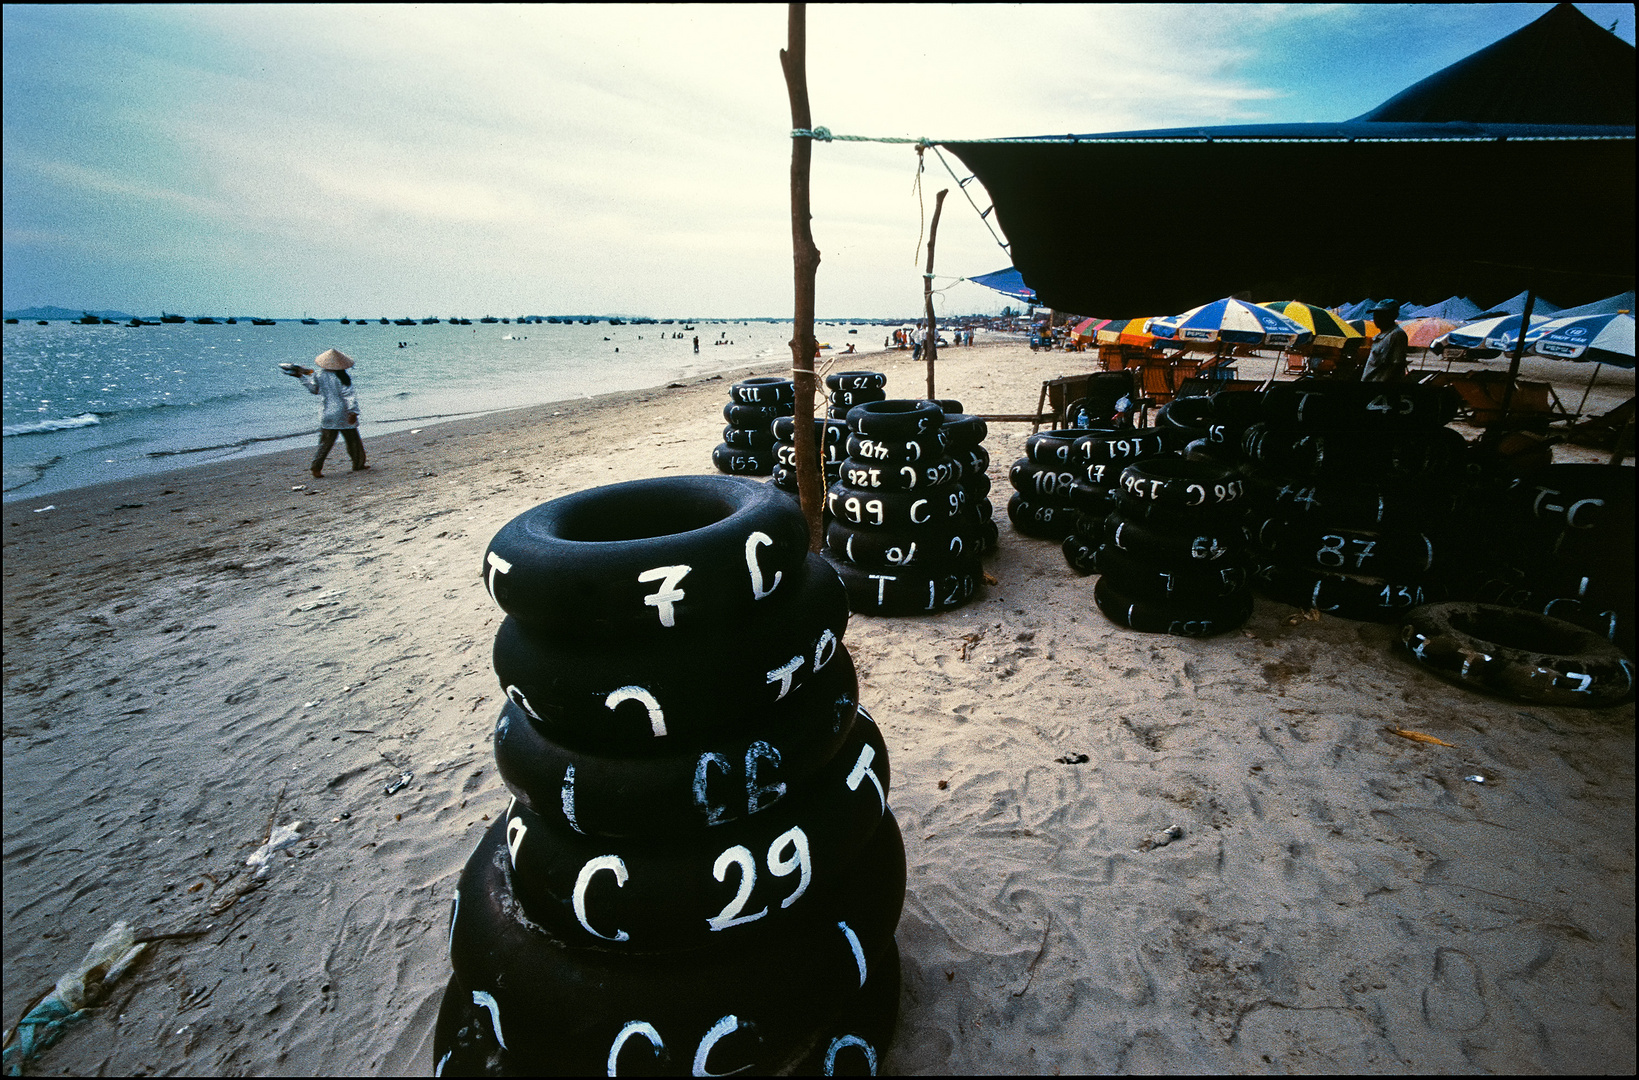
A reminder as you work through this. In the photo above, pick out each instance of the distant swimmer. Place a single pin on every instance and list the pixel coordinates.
(341, 406)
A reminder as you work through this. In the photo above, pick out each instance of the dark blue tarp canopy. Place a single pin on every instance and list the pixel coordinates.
(1532, 137)
(1452, 309)
(1008, 282)
(1608, 306)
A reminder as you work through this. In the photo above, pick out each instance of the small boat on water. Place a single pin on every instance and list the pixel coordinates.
(429, 322)
(403, 322)
(11, 322)
(264, 322)
(41, 322)
(384, 320)
(232, 321)
(617, 322)
(489, 319)
(166, 317)
(206, 320)
(310, 322)
(88, 319)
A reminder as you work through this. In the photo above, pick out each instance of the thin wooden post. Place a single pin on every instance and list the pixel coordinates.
(1519, 351)
(805, 259)
(932, 347)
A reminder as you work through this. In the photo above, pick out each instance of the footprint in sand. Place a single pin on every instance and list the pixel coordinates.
(1454, 1001)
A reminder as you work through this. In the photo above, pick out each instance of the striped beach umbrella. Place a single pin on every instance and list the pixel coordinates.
(1233, 321)
(1124, 332)
(1603, 339)
(1496, 333)
(1421, 333)
(1327, 329)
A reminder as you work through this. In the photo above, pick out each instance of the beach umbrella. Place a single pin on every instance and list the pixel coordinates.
(1601, 339)
(1495, 333)
(1124, 332)
(1421, 333)
(1326, 327)
(1365, 327)
(1232, 321)
(1085, 329)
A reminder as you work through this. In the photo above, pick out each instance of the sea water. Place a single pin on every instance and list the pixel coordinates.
(85, 404)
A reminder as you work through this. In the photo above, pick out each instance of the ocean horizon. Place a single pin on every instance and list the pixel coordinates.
(88, 404)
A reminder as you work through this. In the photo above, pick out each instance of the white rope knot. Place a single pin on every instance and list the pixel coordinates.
(821, 133)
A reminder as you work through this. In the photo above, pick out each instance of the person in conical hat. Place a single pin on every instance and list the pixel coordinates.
(341, 405)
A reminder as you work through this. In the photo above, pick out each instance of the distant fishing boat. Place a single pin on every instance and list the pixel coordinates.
(489, 319)
(168, 318)
(310, 322)
(384, 320)
(206, 320)
(403, 322)
(232, 321)
(41, 322)
(11, 322)
(429, 322)
(617, 322)
(264, 322)
(88, 319)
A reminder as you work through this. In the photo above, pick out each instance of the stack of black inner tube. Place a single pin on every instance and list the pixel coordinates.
(1355, 489)
(1050, 485)
(1100, 455)
(747, 448)
(828, 440)
(1171, 562)
(850, 388)
(1569, 554)
(698, 870)
(964, 437)
(900, 531)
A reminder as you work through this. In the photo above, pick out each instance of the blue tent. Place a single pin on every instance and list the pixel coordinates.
(1008, 282)
(1608, 306)
(1515, 305)
(1452, 309)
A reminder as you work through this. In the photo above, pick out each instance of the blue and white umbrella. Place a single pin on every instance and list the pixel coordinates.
(1603, 339)
(1496, 333)
(1234, 321)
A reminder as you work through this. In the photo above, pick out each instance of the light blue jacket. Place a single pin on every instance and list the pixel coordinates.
(339, 400)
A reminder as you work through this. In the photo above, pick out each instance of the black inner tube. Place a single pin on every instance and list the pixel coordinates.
(642, 515)
(1516, 630)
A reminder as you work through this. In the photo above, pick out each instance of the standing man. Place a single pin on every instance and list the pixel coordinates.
(1387, 360)
(341, 406)
(697, 343)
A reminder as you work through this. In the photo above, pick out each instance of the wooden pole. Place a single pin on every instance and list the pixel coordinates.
(806, 259)
(1519, 351)
(932, 347)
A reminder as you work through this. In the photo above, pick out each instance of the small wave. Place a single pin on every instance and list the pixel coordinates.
(241, 444)
(39, 426)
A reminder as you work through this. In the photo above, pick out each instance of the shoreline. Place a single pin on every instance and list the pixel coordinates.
(196, 656)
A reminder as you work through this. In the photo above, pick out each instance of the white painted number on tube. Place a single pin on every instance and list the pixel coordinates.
(636, 1027)
(515, 832)
(783, 673)
(730, 915)
(862, 769)
(657, 717)
(780, 866)
(496, 565)
(668, 593)
(725, 1027)
(753, 542)
(615, 866)
(840, 1043)
(488, 1001)
(853, 943)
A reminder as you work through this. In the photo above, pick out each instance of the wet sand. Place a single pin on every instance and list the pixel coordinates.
(192, 656)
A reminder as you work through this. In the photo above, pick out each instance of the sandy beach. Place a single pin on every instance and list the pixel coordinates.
(194, 657)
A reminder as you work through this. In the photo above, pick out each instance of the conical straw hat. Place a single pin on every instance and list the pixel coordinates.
(333, 360)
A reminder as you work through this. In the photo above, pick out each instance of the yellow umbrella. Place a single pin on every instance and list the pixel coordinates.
(1328, 329)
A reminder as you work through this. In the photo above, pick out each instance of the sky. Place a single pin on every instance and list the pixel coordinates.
(471, 159)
